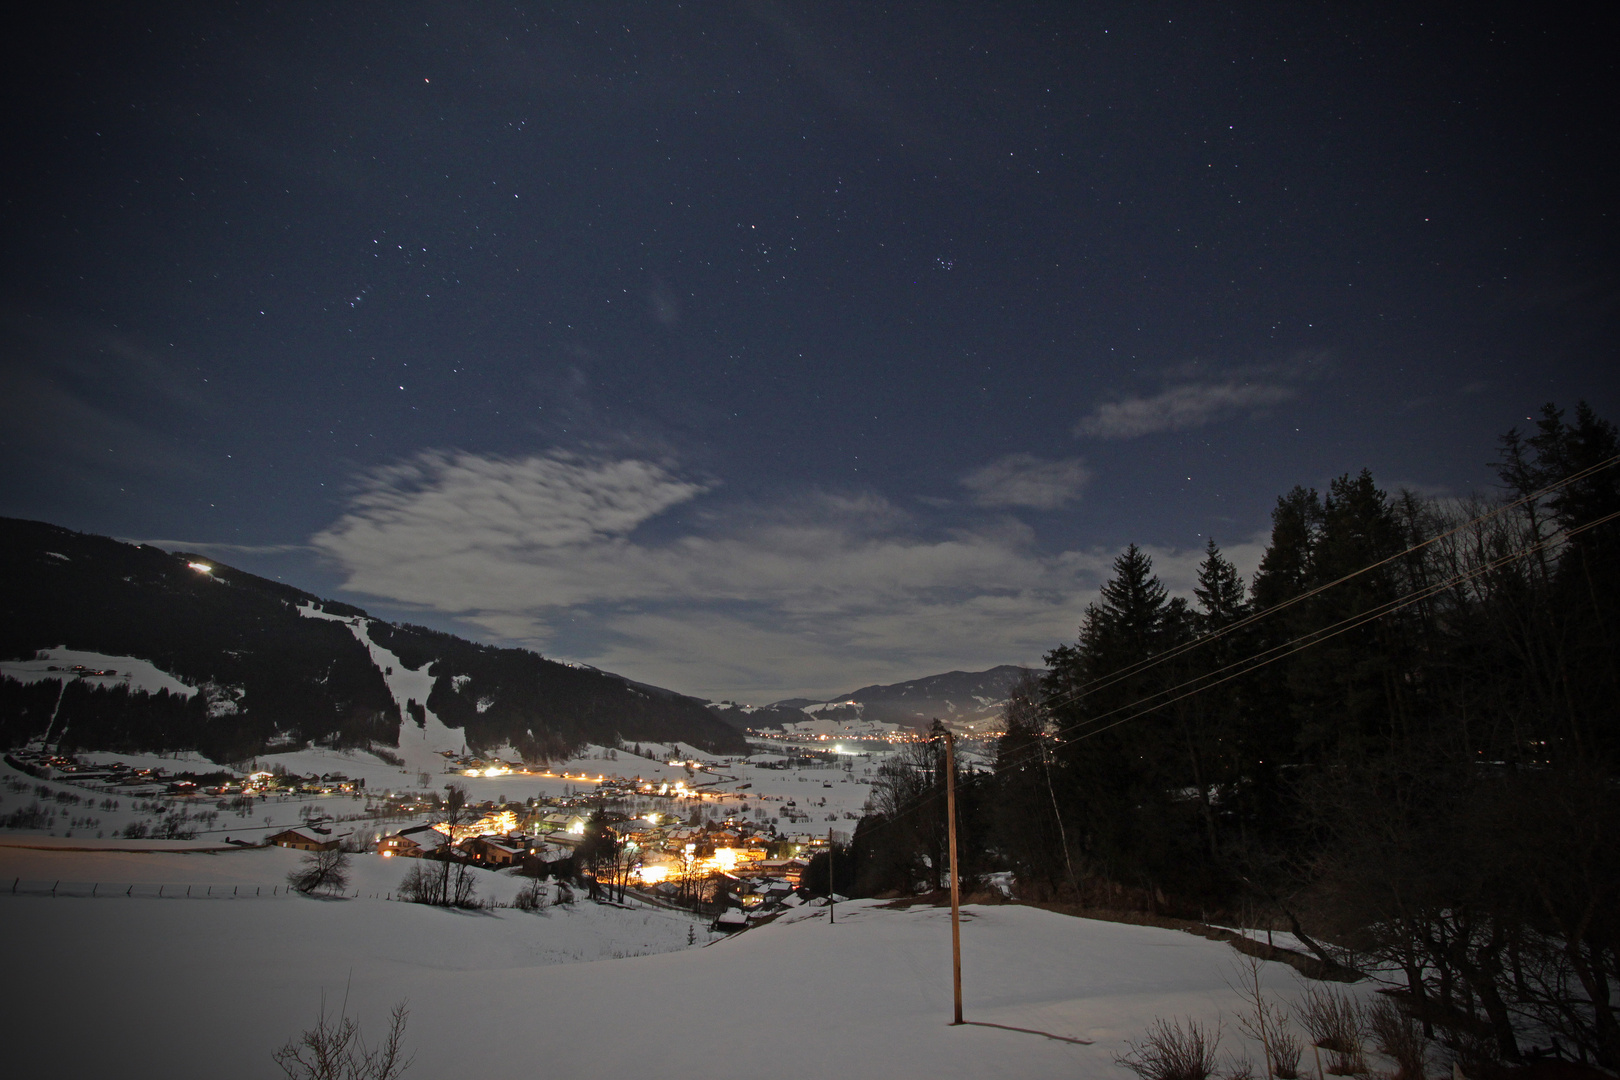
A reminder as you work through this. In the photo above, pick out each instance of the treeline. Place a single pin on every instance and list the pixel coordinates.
(1401, 737)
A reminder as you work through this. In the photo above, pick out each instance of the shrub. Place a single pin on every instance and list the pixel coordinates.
(1170, 1052)
(1333, 1021)
(1398, 1035)
(1238, 1069)
(441, 884)
(532, 897)
(334, 1050)
(1264, 1021)
(419, 885)
(1285, 1054)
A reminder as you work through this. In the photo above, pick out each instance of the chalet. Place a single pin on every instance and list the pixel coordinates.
(412, 843)
(561, 822)
(565, 840)
(787, 870)
(292, 838)
(548, 850)
(498, 850)
(730, 921)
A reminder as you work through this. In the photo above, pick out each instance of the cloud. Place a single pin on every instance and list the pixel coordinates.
(209, 547)
(464, 500)
(1028, 481)
(809, 594)
(1180, 407)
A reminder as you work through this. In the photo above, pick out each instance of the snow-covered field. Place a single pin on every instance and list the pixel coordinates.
(137, 988)
(138, 675)
(134, 985)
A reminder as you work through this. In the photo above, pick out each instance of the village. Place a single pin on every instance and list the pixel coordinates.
(727, 838)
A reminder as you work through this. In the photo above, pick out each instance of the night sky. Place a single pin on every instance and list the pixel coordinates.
(764, 349)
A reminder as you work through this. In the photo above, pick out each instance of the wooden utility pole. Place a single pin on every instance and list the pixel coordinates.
(832, 893)
(956, 889)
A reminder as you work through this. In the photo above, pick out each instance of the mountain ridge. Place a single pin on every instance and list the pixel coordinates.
(966, 698)
(270, 674)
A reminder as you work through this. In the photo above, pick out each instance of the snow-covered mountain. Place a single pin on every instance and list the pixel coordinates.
(963, 699)
(254, 665)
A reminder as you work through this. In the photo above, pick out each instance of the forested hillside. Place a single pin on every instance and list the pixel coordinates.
(1400, 737)
(268, 676)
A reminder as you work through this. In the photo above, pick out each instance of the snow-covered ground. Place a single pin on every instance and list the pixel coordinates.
(100, 814)
(806, 801)
(127, 671)
(136, 988)
(419, 743)
(797, 801)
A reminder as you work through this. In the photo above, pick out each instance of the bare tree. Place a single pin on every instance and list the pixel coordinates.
(455, 885)
(321, 871)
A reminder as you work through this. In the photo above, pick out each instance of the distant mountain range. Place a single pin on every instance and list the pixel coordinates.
(959, 698)
(261, 666)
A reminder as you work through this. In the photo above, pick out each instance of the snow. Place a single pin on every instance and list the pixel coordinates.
(175, 761)
(419, 743)
(91, 819)
(130, 671)
(767, 795)
(151, 862)
(188, 987)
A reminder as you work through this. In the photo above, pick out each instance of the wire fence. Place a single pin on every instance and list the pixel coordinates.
(99, 890)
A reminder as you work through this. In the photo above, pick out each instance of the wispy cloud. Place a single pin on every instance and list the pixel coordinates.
(812, 593)
(1028, 481)
(209, 547)
(1187, 405)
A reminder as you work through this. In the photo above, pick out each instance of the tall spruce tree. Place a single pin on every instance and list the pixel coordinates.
(1123, 755)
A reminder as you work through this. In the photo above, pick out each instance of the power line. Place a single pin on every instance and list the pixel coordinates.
(1305, 641)
(1103, 682)
(1287, 648)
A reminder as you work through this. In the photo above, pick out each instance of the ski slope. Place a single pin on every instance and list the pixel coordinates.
(419, 743)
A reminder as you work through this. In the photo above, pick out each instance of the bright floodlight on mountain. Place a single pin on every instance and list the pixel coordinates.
(201, 567)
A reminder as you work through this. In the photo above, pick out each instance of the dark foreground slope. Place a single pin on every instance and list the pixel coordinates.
(269, 676)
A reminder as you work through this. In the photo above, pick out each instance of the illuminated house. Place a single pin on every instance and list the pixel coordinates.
(786, 870)
(412, 843)
(498, 850)
(292, 838)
